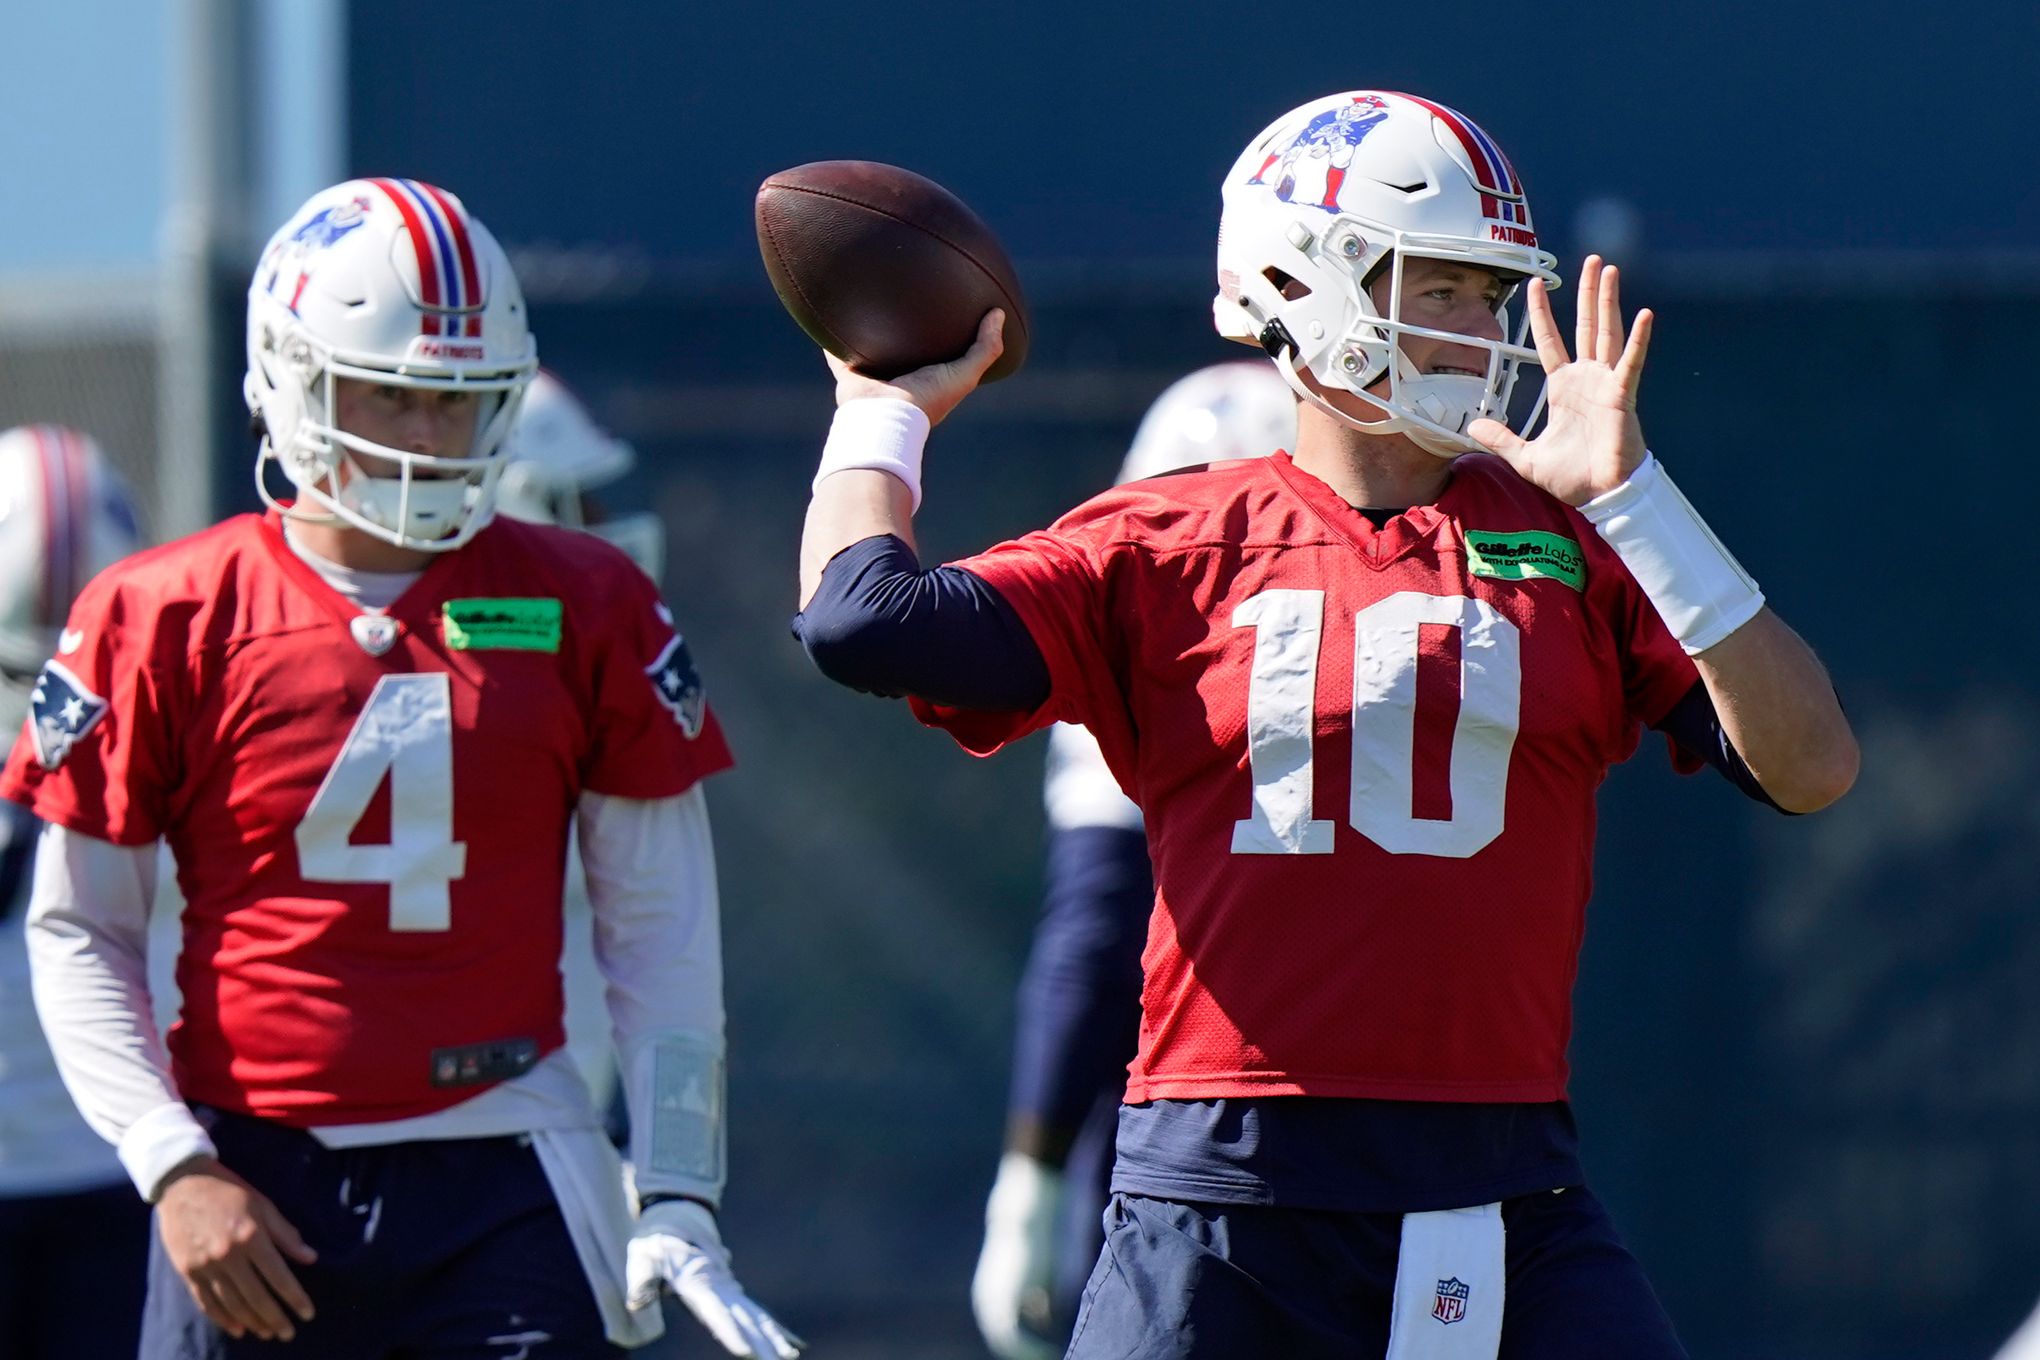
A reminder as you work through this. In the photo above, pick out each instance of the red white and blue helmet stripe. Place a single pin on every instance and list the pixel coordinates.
(66, 507)
(449, 281)
(1501, 193)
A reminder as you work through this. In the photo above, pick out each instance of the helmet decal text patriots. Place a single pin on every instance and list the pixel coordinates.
(61, 711)
(678, 686)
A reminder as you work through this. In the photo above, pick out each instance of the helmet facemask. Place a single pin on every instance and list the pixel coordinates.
(434, 502)
(386, 283)
(1295, 261)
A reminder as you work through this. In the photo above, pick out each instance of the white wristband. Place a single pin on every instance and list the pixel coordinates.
(885, 434)
(1698, 587)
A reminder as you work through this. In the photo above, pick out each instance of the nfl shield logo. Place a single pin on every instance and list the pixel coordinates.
(1450, 1305)
(375, 633)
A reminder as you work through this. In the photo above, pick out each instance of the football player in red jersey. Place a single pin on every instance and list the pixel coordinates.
(74, 1240)
(363, 723)
(1363, 694)
(1077, 1013)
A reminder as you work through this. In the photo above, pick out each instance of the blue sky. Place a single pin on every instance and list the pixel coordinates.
(89, 128)
(84, 134)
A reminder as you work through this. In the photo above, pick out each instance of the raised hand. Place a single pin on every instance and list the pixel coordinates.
(938, 388)
(1592, 439)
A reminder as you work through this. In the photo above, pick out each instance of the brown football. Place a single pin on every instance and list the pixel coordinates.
(886, 270)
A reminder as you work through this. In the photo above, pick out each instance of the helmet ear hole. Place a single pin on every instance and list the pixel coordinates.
(1292, 288)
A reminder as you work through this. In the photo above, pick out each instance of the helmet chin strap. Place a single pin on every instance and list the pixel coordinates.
(1444, 401)
(414, 509)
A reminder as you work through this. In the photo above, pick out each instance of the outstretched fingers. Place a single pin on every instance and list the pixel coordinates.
(1629, 368)
(1544, 329)
(1587, 309)
(1610, 326)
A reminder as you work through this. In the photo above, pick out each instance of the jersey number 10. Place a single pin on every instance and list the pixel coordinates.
(1282, 724)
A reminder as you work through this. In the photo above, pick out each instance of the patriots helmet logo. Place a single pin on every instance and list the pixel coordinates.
(328, 225)
(678, 686)
(60, 711)
(1331, 137)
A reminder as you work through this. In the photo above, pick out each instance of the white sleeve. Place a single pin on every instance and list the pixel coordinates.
(88, 921)
(658, 942)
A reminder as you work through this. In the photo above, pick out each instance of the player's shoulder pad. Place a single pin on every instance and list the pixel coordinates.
(1504, 487)
(167, 584)
(578, 565)
(1187, 503)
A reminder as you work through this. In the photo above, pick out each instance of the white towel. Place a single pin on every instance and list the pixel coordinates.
(1448, 1286)
(587, 1180)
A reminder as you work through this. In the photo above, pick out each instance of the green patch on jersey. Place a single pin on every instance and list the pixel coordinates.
(503, 623)
(1518, 557)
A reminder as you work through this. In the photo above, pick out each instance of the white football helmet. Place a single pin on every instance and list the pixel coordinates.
(65, 516)
(555, 454)
(385, 281)
(1235, 410)
(1332, 193)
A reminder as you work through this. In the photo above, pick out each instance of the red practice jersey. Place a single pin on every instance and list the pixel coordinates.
(1367, 760)
(369, 814)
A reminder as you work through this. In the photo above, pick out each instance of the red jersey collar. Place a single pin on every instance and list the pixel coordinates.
(1378, 548)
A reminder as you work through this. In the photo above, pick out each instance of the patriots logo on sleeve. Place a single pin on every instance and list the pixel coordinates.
(61, 710)
(678, 686)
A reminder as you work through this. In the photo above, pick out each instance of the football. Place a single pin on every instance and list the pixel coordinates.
(886, 270)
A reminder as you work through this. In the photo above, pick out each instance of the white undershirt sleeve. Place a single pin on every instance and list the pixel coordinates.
(658, 942)
(88, 920)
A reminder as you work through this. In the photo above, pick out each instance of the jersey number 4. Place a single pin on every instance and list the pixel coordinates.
(405, 732)
(1390, 711)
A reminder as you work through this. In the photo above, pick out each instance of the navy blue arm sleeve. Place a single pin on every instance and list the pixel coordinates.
(880, 624)
(1079, 1002)
(1695, 725)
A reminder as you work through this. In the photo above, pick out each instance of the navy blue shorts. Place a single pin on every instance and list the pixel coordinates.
(1208, 1280)
(450, 1250)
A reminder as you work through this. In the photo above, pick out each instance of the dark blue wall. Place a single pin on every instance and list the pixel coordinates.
(1101, 130)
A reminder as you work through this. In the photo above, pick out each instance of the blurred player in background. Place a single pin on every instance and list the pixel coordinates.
(1079, 999)
(74, 1242)
(1364, 694)
(363, 723)
(558, 457)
